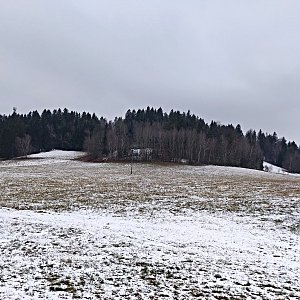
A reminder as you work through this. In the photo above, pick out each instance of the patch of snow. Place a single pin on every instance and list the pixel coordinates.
(273, 169)
(57, 154)
(53, 157)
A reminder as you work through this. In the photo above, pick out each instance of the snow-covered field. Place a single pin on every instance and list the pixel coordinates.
(74, 230)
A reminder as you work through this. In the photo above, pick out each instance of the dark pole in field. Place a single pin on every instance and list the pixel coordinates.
(131, 162)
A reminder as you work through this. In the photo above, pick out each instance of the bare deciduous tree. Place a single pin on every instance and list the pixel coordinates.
(23, 145)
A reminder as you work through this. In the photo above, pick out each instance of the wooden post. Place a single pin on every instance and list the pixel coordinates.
(131, 162)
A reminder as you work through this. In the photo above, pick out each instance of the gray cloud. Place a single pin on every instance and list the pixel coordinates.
(231, 61)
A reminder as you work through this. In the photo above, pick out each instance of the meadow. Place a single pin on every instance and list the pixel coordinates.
(77, 230)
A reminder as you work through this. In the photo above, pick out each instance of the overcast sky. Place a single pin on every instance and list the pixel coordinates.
(230, 61)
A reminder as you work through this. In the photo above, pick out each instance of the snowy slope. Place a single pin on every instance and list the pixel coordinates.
(57, 154)
(273, 169)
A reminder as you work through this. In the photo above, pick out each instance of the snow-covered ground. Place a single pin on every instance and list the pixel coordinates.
(57, 155)
(44, 158)
(90, 255)
(273, 169)
(74, 230)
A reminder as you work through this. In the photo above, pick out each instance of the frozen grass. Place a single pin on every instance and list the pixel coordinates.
(71, 230)
(71, 185)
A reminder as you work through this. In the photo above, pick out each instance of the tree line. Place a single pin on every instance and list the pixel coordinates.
(145, 134)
